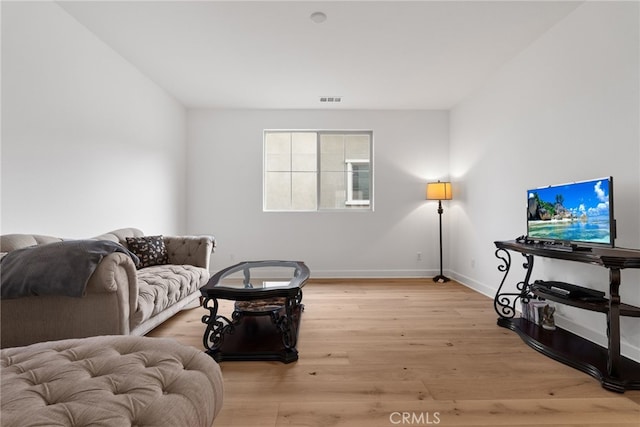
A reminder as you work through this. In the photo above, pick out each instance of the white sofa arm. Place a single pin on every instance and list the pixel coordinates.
(193, 250)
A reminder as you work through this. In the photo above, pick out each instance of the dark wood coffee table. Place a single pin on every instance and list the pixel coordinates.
(265, 320)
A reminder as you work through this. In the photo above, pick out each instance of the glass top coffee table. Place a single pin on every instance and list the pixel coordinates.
(266, 314)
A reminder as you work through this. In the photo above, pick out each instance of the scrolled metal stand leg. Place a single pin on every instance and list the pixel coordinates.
(504, 303)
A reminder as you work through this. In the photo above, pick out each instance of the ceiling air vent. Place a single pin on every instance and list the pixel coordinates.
(331, 99)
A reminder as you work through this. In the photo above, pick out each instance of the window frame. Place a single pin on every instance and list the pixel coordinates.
(350, 204)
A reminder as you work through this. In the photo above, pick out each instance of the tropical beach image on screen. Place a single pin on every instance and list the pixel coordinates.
(576, 212)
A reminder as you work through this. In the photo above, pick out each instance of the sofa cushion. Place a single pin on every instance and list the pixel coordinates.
(163, 285)
(151, 250)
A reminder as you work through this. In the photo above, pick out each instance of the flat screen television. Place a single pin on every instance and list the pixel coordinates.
(577, 213)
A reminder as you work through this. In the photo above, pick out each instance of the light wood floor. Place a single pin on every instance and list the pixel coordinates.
(375, 351)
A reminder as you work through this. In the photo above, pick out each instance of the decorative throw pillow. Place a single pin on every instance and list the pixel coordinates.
(151, 250)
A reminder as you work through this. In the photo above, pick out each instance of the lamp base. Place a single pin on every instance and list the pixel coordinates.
(441, 279)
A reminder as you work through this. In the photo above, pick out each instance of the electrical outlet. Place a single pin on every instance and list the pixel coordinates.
(419, 256)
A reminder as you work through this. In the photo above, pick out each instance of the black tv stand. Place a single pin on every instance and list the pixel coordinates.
(615, 372)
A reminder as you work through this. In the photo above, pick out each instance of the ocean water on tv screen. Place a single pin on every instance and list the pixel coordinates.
(595, 230)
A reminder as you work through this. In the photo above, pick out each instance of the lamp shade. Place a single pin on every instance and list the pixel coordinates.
(439, 191)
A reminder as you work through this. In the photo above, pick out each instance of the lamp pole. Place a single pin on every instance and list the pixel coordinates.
(441, 278)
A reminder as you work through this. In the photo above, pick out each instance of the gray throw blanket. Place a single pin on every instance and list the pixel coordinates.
(60, 268)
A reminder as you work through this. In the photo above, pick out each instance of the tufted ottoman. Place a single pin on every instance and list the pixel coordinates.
(109, 381)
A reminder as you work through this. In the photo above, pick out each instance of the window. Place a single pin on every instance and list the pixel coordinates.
(318, 170)
(357, 182)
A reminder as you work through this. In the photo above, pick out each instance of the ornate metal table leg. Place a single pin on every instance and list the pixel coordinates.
(505, 302)
(287, 325)
(217, 326)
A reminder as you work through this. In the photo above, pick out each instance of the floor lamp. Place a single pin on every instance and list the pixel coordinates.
(439, 191)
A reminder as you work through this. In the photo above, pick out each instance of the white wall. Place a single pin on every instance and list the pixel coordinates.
(89, 144)
(565, 109)
(225, 193)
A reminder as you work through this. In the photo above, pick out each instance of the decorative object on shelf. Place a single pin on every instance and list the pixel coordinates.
(532, 310)
(439, 191)
(547, 321)
(539, 312)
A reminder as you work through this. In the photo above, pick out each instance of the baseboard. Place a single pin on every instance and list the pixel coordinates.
(473, 284)
(369, 274)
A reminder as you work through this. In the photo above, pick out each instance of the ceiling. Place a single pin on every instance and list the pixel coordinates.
(268, 54)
